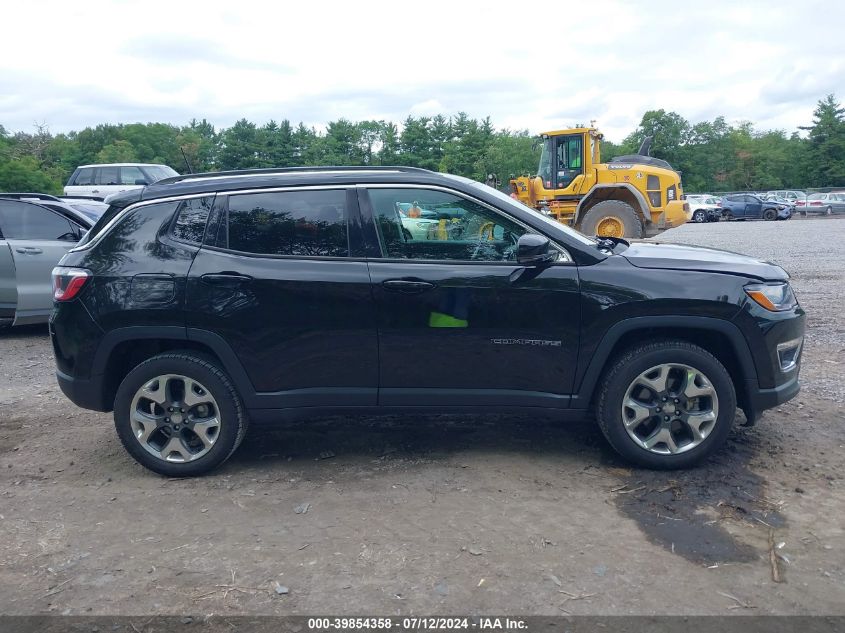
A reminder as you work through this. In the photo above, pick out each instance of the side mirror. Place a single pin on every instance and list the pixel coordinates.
(142, 181)
(533, 250)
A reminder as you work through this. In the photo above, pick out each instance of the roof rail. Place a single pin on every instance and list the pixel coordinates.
(269, 171)
(37, 196)
(89, 198)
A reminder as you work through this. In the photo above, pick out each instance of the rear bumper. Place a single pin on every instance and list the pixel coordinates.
(87, 394)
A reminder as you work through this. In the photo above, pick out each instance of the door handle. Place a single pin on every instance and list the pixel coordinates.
(407, 286)
(225, 279)
(29, 250)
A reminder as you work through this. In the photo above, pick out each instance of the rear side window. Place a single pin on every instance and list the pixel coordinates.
(85, 176)
(108, 176)
(24, 221)
(297, 223)
(191, 219)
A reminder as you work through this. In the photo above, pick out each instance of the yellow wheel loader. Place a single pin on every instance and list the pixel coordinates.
(632, 196)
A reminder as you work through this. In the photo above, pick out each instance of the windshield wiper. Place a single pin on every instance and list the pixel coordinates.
(609, 243)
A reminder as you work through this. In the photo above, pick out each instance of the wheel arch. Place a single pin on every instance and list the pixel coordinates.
(623, 192)
(123, 349)
(719, 337)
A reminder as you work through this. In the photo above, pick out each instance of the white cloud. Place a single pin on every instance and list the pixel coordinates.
(537, 67)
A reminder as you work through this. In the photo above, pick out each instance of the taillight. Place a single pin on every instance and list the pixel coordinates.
(816, 203)
(68, 282)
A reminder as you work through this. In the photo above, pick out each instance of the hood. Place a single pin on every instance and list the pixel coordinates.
(682, 257)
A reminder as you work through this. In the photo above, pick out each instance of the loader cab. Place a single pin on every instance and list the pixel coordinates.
(565, 160)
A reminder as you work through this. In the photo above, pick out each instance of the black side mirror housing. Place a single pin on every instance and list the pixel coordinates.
(534, 250)
(142, 181)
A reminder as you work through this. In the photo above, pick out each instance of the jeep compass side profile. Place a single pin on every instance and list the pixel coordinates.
(204, 301)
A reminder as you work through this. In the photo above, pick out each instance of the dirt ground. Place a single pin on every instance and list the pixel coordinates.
(454, 515)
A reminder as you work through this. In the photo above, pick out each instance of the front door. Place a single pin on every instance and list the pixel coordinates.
(37, 238)
(460, 322)
(569, 160)
(277, 281)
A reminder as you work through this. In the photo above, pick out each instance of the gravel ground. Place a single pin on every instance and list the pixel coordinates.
(446, 515)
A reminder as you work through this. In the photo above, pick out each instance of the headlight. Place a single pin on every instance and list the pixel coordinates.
(776, 297)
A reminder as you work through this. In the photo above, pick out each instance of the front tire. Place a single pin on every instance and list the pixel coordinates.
(179, 415)
(770, 215)
(699, 216)
(612, 218)
(666, 404)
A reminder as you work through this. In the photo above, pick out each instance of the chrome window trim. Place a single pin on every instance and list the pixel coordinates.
(566, 257)
(190, 196)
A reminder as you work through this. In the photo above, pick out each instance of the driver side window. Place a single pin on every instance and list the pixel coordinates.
(435, 225)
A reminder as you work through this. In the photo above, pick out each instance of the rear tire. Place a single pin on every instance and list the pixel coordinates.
(696, 426)
(207, 424)
(699, 216)
(828, 211)
(610, 213)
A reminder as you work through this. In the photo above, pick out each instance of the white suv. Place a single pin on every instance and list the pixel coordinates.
(103, 180)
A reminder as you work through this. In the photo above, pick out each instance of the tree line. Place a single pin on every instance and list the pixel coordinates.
(711, 155)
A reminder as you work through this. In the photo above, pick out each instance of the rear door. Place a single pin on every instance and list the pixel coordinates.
(279, 281)
(460, 322)
(38, 238)
(107, 181)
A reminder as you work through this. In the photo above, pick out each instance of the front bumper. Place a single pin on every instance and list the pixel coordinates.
(759, 400)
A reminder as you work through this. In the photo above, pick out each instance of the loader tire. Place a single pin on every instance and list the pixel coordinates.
(612, 218)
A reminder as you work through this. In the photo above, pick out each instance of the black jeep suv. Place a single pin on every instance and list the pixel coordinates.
(201, 302)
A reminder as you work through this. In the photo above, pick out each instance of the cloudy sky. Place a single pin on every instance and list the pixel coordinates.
(532, 65)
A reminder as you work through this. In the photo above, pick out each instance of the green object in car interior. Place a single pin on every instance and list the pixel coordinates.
(438, 319)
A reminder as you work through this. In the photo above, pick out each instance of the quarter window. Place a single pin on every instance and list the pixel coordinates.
(434, 225)
(297, 223)
(85, 176)
(191, 219)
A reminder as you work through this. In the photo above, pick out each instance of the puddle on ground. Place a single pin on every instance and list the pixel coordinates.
(683, 511)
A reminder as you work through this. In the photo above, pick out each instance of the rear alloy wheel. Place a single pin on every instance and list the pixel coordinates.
(770, 214)
(612, 218)
(828, 211)
(666, 404)
(699, 216)
(179, 415)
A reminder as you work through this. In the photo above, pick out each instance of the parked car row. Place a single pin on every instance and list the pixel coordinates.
(772, 205)
(743, 206)
(823, 203)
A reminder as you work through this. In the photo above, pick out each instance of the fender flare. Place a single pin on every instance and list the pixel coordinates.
(619, 185)
(598, 361)
(214, 342)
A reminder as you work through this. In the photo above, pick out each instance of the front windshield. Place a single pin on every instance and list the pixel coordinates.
(507, 201)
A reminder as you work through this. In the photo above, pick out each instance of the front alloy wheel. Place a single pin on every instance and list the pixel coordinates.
(666, 403)
(670, 408)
